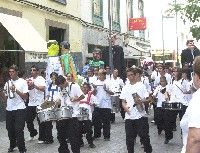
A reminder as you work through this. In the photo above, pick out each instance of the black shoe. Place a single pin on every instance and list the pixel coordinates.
(82, 145)
(106, 139)
(24, 151)
(49, 142)
(94, 137)
(174, 129)
(166, 141)
(68, 141)
(92, 145)
(11, 149)
(159, 132)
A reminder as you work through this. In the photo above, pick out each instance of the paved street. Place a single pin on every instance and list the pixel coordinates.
(116, 145)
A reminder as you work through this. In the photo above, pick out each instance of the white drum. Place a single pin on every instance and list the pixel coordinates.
(84, 114)
(46, 115)
(64, 113)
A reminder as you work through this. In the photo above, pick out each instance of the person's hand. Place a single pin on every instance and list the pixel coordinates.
(12, 88)
(74, 99)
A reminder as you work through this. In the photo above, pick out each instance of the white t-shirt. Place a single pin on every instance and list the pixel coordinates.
(36, 97)
(191, 117)
(176, 93)
(73, 90)
(145, 81)
(159, 95)
(126, 95)
(102, 96)
(17, 102)
(93, 100)
(116, 85)
(53, 92)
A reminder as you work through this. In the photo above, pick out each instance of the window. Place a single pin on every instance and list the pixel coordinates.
(116, 15)
(141, 14)
(130, 14)
(97, 8)
(61, 1)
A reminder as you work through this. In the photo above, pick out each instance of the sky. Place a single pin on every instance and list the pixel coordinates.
(153, 11)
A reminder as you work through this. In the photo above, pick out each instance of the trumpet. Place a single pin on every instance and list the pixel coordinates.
(9, 90)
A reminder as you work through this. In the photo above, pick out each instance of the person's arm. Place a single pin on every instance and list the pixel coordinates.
(182, 58)
(193, 141)
(41, 88)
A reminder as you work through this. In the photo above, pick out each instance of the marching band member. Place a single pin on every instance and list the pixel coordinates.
(162, 116)
(116, 85)
(103, 113)
(87, 103)
(71, 94)
(136, 123)
(16, 91)
(52, 95)
(36, 98)
(190, 123)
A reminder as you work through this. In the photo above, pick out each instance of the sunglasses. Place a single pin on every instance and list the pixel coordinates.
(11, 71)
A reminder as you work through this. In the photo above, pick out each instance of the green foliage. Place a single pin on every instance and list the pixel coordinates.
(190, 12)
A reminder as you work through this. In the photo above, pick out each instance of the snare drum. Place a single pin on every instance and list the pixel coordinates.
(46, 115)
(172, 106)
(64, 113)
(84, 114)
(115, 103)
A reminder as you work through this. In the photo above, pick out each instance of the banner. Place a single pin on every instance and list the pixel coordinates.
(137, 23)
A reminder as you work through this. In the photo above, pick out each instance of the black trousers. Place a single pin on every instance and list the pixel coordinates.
(86, 127)
(30, 117)
(46, 134)
(102, 120)
(169, 123)
(15, 123)
(137, 127)
(68, 129)
(159, 118)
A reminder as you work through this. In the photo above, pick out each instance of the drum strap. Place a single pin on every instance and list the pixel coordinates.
(179, 88)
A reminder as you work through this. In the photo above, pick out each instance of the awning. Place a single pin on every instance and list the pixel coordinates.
(134, 52)
(24, 33)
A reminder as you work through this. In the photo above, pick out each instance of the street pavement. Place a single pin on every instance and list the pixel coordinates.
(116, 145)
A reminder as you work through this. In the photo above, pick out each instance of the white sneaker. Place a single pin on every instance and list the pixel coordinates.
(152, 121)
(40, 142)
(31, 139)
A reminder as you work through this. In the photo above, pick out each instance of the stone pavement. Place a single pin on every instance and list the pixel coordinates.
(116, 145)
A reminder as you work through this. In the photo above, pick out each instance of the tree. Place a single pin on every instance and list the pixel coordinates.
(189, 11)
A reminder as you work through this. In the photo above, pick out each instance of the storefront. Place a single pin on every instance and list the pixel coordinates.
(19, 42)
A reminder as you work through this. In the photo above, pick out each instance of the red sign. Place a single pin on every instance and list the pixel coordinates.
(137, 23)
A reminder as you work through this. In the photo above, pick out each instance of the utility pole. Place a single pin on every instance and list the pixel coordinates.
(177, 46)
(110, 39)
(163, 42)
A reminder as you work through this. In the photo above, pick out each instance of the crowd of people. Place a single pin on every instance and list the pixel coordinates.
(100, 94)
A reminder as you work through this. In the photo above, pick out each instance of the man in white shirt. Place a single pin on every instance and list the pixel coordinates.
(36, 98)
(103, 113)
(16, 91)
(116, 85)
(71, 94)
(136, 123)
